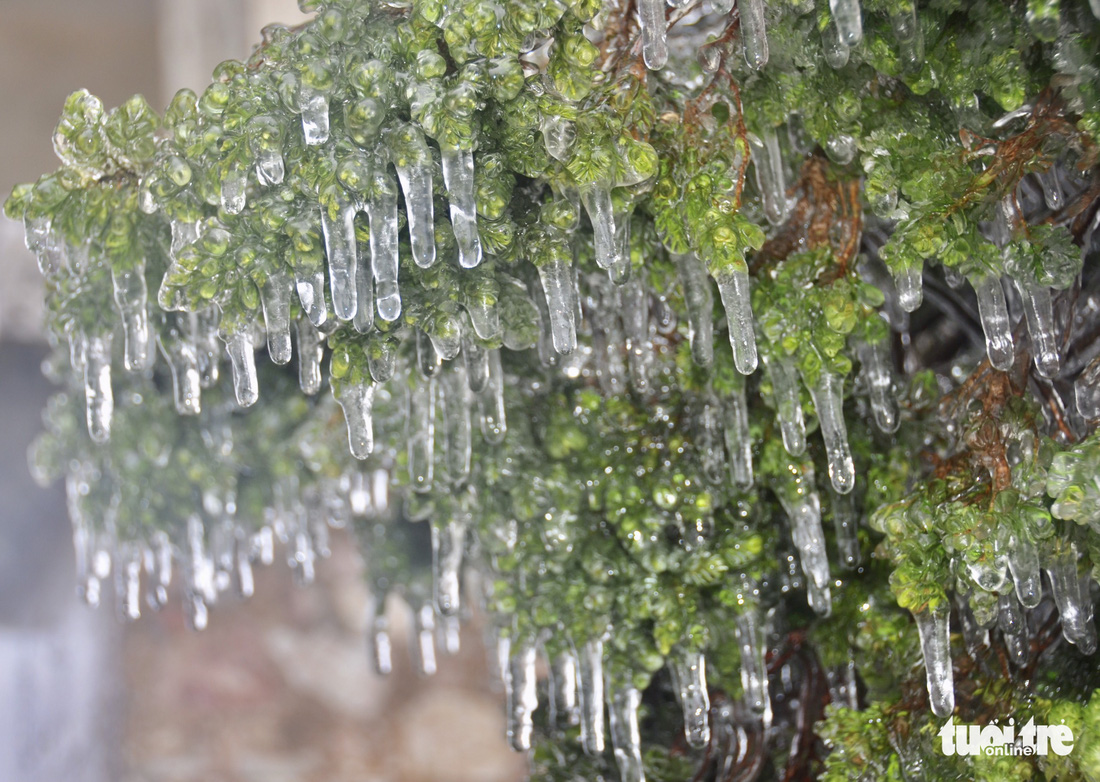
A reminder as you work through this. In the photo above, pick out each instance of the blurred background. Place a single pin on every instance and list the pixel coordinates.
(278, 689)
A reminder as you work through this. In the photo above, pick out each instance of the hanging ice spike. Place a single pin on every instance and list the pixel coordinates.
(733, 287)
(993, 312)
(689, 670)
(651, 15)
(357, 401)
(754, 38)
(458, 176)
(340, 248)
(413, 161)
(933, 626)
(828, 396)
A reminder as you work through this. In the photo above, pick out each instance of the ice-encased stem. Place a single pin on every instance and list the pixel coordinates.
(651, 16)
(788, 403)
(275, 296)
(458, 176)
(849, 20)
(752, 641)
(242, 357)
(828, 396)
(909, 286)
(415, 174)
(99, 400)
(933, 626)
(699, 303)
(597, 202)
(420, 434)
(311, 350)
(1086, 391)
(993, 312)
(875, 358)
(557, 284)
(738, 440)
(689, 671)
(754, 37)
(494, 423)
(626, 739)
(131, 299)
(733, 287)
(592, 691)
(448, 544)
(767, 164)
(357, 402)
(382, 214)
(456, 417)
(340, 249)
(1074, 604)
(183, 361)
(523, 698)
(1039, 314)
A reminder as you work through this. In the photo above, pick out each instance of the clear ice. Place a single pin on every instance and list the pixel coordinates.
(458, 176)
(420, 434)
(557, 284)
(738, 439)
(311, 350)
(524, 697)
(340, 249)
(315, 120)
(880, 385)
(382, 213)
(699, 303)
(828, 396)
(1040, 325)
(494, 424)
(993, 313)
(183, 361)
(415, 174)
(1074, 603)
(456, 418)
(770, 181)
(752, 641)
(651, 15)
(908, 284)
(733, 287)
(242, 357)
(357, 401)
(754, 37)
(689, 670)
(849, 20)
(275, 296)
(98, 396)
(597, 202)
(933, 625)
(592, 693)
(788, 403)
(131, 299)
(622, 707)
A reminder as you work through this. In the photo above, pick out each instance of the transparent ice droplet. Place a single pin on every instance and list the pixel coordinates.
(651, 16)
(849, 20)
(315, 116)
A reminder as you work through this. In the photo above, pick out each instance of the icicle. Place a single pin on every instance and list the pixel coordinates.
(559, 135)
(357, 401)
(128, 583)
(458, 176)
(244, 581)
(849, 21)
(708, 443)
(523, 698)
(651, 15)
(597, 202)
(993, 312)
(303, 558)
(933, 627)
(564, 704)
(427, 359)
(311, 292)
(557, 283)
(315, 119)
(364, 296)
(622, 706)
(415, 172)
(738, 440)
(420, 434)
(340, 248)
(311, 349)
(270, 168)
(846, 525)
(159, 567)
(1023, 563)
(699, 303)
(98, 397)
(234, 191)
(768, 166)
(131, 297)
(788, 403)
(1087, 391)
(379, 630)
(448, 544)
(183, 361)
(733, 287)
(202, 329)
(908, 284)
(382, 213)
(425, 639)
(804, 511)
(836, 51)
(200, 589)
(1013, 623)
(910, 38)
(452, 635)
(754, 37)
(494, 424)
(880, 386)
(689, 673)
(44, 242)
(1074, 604)
(635, 316)
(456, 417)
(1040, 326)
(477, 365)
(591, 682)
(752, 640)
(828, 396)
(275, 296)
(242, 356)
